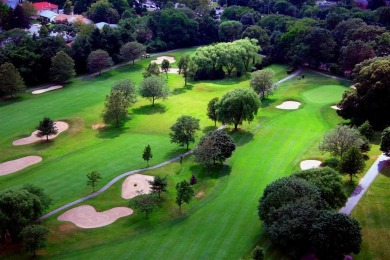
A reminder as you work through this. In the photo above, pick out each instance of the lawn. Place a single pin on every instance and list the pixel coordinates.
(222, 223)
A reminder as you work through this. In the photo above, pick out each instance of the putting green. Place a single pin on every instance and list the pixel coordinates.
(324, 94)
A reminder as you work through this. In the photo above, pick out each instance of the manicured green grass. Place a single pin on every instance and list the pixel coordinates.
(324, 94)
(373, 213)
(223, 223)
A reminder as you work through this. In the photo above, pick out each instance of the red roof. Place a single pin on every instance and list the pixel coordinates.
(44, 6)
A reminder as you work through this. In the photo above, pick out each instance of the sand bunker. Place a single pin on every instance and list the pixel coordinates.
(310, 164)
(40, 91)
(18, 164)
(289, 105)
(335, 107)
(87, 217)
(61, 127)
(135, 184)
(160, 59)
(171, 70)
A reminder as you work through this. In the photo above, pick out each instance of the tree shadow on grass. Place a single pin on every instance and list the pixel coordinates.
(214, 172)
(10, 101)
(384, 168)
(150, 110)
(178, 91)
(43, 144)
(209, 129)
(267, 102)
(175, 152)
(241, 137)
(110, 132)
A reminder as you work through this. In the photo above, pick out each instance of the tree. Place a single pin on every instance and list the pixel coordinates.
(214, 148)
(102, 11)
(147, 154)
(98, 60)
(184, 130)
(93, 178)
(212, 110)
(34, 237)
(146, 203)
(229, 31)
(165, 66)
(238, 105)
(67, 7)
(116, 108)
(158, 185)
(329, 183)
(258, 33)
(62, 67)
(257, 253)
(372, 82)
(186, 67)
(385, 141)
(46, 127)
(335, 235)
(40, 193)
(355, 52)
(132, 51)
(18, 209)
(11, 82)
(128, 88)
(151, 70)
(366, 130)
(262, 82)
(340, 139)
(352, 162)
(154, 87)
(184, 193)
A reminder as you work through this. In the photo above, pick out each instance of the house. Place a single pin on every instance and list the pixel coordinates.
(45, 6)
(48, 15)
(102, 24)
(71, 19)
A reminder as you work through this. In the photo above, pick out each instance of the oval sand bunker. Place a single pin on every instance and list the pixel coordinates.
(310, 164)
(289, 105)
(61, 127)
(136, 184)
(18, 164)
(40, 91)
(160, 59)
(87, 217)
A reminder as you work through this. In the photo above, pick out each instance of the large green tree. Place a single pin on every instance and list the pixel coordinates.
(238, 105)
(34, 237)
(146, 203)
(184, 193)
(11, 82)
(352, 162)
(335, 235)
(128, 88)
(229, 31)
(262, 81)
(355, 52)
(370, 100)
(214, 148)
(153, 88)
(186, 67)
(62, 67)
(132, 51)
(212, 110)
(116, 108)
(152, 69)
(385, 141)
(102, 11)
(184, 130)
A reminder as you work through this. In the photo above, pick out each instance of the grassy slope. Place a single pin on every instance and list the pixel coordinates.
(225, 223)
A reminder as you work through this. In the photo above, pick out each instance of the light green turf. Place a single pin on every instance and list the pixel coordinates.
(223, 223)
(324, 94)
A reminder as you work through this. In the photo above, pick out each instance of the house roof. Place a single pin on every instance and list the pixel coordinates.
(48, 14)
(44, 6)
(102, 24)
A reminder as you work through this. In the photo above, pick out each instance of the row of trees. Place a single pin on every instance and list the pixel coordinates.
(298, 213)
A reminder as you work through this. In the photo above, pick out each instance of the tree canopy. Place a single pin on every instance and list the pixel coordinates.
(262, 82)
(385, 141)
(11, 82)
(62, 67)
(132, 51)
(46, 127)
(184, 193)
(153, 88)
(116, 108)
(184, 130)
(99, 60)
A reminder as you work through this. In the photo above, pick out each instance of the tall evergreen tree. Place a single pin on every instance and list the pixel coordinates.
(46, 127)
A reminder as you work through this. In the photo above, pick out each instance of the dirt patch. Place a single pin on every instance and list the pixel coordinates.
(40, 91)
(290, 105)
(160, 59)
(66, 227)
(310, 164)
(98, 126)
(335, 107)
(136, 184)
(18, 164)
(200, 194)
(61, 127)
(171, 70)
(87, 217)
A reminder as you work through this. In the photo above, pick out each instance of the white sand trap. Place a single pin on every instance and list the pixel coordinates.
(87, 217)
(171, 70)
(40, 91)
(18, 164)
(61, 127)
(134, 184)
(335, 107)
(289, 105)
(353, 87)
(310, 164)
(160, 59)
